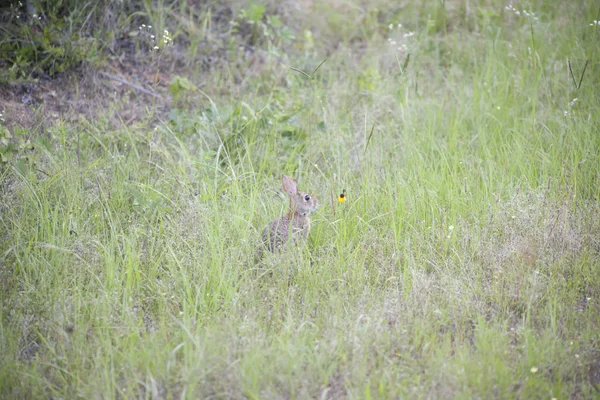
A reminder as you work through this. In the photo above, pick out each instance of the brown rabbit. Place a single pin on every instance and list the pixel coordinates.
(296, 222)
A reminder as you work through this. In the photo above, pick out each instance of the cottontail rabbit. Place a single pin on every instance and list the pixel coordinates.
(296, 222)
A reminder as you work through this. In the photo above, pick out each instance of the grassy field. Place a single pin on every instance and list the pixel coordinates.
(465, 262)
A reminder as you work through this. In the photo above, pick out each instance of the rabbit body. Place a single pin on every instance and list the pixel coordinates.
(278, 231)
(295, 224)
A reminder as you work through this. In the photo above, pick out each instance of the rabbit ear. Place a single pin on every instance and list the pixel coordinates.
(289, 185)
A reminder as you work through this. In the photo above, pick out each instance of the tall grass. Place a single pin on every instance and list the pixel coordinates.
(464, 263)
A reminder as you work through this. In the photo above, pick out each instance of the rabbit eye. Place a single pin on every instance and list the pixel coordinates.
(306, 198)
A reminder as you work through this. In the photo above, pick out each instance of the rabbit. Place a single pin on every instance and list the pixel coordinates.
(296, 222)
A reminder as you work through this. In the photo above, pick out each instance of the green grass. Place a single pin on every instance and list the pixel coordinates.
(464, 264)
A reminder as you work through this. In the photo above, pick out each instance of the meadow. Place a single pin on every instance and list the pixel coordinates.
(464, 263)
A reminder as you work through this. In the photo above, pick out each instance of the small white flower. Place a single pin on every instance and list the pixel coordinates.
(155, 47)
(572, 102)
(391, 26)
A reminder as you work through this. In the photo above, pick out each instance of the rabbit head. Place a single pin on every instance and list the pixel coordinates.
(301, 203)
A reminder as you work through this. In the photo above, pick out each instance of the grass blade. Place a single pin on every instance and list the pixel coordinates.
(302, 72)
(318, 66)
(369, 138)
(583, 73)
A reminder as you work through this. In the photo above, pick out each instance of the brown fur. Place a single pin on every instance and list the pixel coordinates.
(295, 224)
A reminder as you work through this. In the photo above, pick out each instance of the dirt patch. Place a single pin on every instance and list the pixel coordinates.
(86, 92)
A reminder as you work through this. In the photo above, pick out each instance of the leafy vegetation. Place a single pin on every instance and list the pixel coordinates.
(463, 263)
